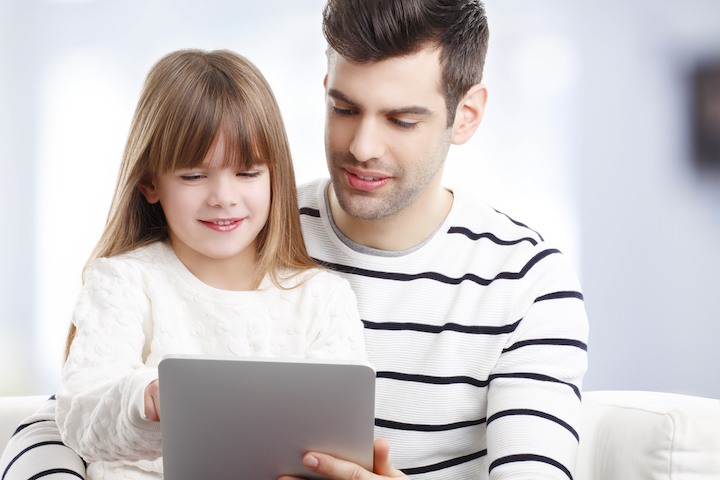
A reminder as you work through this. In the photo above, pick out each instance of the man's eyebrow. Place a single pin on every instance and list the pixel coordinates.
(411, 109)
(340, 96)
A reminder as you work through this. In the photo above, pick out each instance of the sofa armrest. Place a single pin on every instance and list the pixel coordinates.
(648, 435)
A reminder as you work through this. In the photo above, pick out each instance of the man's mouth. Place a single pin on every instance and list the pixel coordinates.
(367, 178)
(365, 183)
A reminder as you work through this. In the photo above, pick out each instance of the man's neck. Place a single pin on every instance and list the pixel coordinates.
(400, 231)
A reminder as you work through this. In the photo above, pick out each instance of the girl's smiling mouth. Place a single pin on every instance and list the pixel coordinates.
(222, 224)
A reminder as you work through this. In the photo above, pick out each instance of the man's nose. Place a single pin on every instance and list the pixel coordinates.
(367, 142)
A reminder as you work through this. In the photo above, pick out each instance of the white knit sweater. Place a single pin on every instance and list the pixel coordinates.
(137, 307)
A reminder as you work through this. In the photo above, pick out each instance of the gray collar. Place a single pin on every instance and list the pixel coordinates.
(367, 250)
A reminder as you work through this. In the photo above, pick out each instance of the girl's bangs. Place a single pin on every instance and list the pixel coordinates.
(244, 137)
(197, 132)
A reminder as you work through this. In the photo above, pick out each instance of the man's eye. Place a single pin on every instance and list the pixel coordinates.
(342, 111)
(402, 124)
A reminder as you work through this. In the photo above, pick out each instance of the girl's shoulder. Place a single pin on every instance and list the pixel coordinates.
(150, 253)
(146, 257)
(315, 278)
(316, 288)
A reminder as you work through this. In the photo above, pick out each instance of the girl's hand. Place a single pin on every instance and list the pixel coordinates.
(152, 401)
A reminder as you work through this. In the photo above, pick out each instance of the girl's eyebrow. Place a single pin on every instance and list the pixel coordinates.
(410, 109)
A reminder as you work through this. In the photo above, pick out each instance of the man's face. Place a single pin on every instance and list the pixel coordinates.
(386, 135)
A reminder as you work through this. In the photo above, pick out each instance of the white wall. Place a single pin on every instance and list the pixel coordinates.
(585, 139)
(650, 221)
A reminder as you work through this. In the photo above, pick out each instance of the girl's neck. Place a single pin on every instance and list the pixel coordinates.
(235, 273)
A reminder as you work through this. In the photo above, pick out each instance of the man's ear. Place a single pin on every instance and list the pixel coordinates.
(469, 114)
(148, 189)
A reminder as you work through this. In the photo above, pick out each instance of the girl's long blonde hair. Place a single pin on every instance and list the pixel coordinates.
(189, 97)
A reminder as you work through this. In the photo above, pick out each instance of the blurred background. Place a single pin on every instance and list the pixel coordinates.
(602, 132)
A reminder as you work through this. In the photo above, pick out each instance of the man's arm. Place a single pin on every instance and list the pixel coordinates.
(36, 449)
(534, 393)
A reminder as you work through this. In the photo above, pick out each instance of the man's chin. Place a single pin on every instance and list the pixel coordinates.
(360, 204)
(362, 207)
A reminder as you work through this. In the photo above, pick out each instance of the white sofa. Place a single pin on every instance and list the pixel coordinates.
(624, 435)
(12, 411)
(648, 435)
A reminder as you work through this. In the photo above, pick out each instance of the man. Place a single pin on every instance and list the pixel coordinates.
(475, 326)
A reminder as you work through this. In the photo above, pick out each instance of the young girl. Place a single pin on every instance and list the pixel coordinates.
(202, 254)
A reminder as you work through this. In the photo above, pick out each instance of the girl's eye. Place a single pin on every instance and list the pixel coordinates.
(190, 178)
(251, 174)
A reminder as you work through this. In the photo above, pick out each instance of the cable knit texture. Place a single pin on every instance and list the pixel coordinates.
(137, 307)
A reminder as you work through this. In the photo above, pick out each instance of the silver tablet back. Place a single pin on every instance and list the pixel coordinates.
(231, 418)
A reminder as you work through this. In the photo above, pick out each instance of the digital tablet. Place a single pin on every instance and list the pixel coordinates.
(232, 418)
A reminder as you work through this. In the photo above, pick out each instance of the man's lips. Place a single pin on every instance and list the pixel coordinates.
(222, 224)
(366, 181)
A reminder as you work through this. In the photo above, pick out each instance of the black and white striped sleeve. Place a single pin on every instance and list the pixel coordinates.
(534, 394)
(36, 451)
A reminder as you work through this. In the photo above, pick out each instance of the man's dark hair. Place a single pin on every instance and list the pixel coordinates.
(366, 31)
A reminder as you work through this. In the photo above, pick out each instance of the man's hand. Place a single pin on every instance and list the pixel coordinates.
(152, 401)
(341, 470)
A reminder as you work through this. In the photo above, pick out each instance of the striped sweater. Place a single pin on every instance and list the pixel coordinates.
(36, 450)
(479, 340)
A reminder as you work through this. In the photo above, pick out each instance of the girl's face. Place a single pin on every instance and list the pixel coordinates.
(214, 213)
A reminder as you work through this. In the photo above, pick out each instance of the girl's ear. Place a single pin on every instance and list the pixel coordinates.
(149, 190)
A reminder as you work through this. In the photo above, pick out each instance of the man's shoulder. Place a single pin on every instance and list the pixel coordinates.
(308, 192)
(476, 219)
(487, 239)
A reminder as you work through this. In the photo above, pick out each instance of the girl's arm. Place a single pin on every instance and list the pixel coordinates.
(100, 410)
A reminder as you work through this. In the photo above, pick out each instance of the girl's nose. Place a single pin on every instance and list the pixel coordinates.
(224, 191)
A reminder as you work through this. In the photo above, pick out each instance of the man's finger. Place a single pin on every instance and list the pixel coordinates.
(334, 468)
(382, 463)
